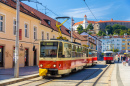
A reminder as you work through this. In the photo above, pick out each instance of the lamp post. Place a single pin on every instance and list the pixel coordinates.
(16, 68)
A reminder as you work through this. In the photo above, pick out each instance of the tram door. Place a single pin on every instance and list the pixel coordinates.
(26, 57)
(1, 56)
(35, 57)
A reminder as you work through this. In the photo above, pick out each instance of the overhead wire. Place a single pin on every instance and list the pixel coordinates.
(90, 10)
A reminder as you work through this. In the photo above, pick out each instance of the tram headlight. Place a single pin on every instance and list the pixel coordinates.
(54, 65)
(41, 65)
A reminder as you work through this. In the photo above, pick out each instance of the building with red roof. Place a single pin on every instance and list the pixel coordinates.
(84, 23)
(100, 25)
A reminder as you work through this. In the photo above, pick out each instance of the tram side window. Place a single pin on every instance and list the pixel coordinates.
(60, 55)
(90, 53)
(108, 54)
(67, 50)
(74, 53)
(86, 52)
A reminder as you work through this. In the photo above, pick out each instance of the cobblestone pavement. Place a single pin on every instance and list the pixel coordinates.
(120, 75)
(74, 79)
(23, 71)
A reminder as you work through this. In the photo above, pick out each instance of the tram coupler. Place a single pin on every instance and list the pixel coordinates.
(43, 72)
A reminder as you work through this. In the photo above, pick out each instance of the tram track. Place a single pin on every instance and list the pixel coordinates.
(95, 83)
(78, 84)
(46, 81)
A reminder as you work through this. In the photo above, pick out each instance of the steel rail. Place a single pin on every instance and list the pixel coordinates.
(89, 76)
(101, 75)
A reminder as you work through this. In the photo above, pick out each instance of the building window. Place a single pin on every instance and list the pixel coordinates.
(14, 27)
(123, 43)
(123, 39)
(123, 47)
(1, 23)
(47, 36)
(35, 32)
(128, 39)
(128, 47)
(128, 43)
(26, 30)
(42, 35)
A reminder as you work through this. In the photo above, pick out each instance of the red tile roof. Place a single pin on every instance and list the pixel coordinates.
(36, 14)
(81, 22)
(22, 9)
(79, 36)
(111, 21)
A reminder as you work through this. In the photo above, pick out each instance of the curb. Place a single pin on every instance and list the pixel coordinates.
(15, 80)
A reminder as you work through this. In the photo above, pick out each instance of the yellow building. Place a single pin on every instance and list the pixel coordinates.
(33, 26)
(126, 42)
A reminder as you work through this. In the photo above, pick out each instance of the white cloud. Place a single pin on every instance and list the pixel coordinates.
(128, 19)
(80, 12)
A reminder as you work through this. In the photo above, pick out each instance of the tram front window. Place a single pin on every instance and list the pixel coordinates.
(108, 54)
(48, 49)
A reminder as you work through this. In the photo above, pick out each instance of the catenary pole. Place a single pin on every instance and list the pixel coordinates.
(71, 29)
(16, 68)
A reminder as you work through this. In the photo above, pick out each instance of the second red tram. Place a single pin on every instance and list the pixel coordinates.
(109, 57)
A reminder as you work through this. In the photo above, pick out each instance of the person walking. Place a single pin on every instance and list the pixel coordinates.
(118, 59)
(128, 60)
(124, 60)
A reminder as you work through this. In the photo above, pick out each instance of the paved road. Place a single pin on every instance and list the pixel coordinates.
(23, 71)
(80, 78)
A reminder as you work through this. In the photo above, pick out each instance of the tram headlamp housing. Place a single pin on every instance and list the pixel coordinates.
(41, 65)
(54, 65)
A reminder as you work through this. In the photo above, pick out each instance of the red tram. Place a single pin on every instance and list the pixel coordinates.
(109, 57)
(94, 57)
(59, 57)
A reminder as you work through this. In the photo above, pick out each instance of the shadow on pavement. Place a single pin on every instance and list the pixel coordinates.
(87, 73)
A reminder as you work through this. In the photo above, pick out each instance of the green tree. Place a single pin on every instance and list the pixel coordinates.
(101, 33)
(109, 29)
(117, 31)
(90, 33)
(116, 26)
(80, 29)
(90, 27)
(123, 27)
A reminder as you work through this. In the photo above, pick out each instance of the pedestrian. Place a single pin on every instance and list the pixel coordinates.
(121, 58)
(128, 60)
(124, 60)
(118, 59)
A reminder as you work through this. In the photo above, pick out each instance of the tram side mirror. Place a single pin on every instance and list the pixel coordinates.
(33, 48)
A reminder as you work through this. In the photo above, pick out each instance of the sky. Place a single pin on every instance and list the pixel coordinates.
(102, 9)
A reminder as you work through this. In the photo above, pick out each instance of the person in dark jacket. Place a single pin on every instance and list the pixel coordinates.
(124, 60)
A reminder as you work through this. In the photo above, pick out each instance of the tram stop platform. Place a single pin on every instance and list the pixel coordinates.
(7, 75)
(120, 75)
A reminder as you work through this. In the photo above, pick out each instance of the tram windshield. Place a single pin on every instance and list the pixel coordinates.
(108, 54)
(94, 54)
(48, 49)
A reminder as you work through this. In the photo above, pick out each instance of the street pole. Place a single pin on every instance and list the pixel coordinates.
(16, 68)
(71, 29)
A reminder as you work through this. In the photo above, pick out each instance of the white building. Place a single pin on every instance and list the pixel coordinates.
(84, 23)
(111, 42)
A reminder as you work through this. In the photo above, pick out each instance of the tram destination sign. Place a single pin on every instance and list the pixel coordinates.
(49, 43)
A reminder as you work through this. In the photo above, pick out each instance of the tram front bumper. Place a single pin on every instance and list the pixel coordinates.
(43, 72)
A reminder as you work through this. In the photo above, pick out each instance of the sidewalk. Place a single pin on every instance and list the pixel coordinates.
(23, 71)
(120, 75)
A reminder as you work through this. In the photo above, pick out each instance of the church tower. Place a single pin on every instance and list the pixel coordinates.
(85, 22)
